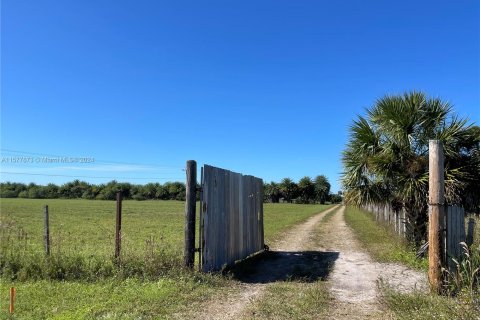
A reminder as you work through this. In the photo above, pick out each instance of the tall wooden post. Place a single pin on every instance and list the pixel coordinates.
(190, 206)
(436, 225)
(118, 225)
(46, 230)
(11, 308)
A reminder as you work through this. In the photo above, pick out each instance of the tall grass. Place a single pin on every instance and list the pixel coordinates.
(82, 238)
(464, 279)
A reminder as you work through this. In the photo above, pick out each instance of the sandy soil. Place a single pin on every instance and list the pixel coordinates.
(352, 275)
(251, 285)
(354, 278)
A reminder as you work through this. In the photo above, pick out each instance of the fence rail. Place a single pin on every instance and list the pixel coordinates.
(454, 226)
(231, 217)
(385, 213)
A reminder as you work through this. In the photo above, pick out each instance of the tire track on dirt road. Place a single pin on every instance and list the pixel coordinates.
(233, 304)
(352, 276)
(355, 276)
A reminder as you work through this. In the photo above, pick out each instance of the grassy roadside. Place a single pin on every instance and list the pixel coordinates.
(293, 300)
(384, 246)
(107, 299)
(83, 242)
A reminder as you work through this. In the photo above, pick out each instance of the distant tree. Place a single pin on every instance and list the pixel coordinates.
(306, 189)
(90, 193)
(137, 192)
(272, 192)
(162, 192)
(51, 191)
(108, 191)
(176, 190)
(36, 192)
(322, 188)
(288, 189)
(149, 190)
(11, 190)
(73, 190)
(23, 194)
(336, 198)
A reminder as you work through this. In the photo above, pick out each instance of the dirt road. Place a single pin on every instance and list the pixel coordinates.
(354, 278)
(315, 250)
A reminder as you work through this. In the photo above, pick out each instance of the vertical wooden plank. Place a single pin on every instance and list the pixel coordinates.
(245, 216)
(226, 212)
(241, 230)
(256, 215)
(248, 200)
(219, 219)
(450, 235)
(205, 192)
(207, 195)
(436, 215)
(262, 225)
(235, 216)
(200, 224)
(251, 216)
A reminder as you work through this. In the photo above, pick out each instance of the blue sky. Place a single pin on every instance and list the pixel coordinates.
(266, 88)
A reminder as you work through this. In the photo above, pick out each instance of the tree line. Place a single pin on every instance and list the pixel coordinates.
(306, 191)
(82, 190)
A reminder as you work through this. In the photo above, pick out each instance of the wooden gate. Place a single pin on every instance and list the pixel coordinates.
(231, 217)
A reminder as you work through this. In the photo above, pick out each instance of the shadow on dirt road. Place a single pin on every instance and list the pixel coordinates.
(271, 266)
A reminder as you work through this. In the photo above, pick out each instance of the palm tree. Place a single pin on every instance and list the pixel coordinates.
(272, 192)
(306, 189)
(289, 189)
(386, 158)
(322, 188)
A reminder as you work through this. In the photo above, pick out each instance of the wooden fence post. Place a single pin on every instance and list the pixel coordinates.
(118, 225)
(436, 224)
(46, 230)
(11, 308)
(190, 206)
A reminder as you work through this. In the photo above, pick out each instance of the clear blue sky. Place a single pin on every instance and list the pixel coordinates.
(266, 88)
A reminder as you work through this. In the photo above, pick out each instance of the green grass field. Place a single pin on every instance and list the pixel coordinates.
(81, 280)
